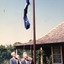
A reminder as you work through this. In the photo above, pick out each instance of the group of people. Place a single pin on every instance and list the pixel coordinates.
(16, 59)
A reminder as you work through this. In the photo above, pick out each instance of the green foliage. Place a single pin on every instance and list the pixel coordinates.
(5, 62)
(2, 47)
(48, 60)
(5, 54)
(17, 43)
(20, 52)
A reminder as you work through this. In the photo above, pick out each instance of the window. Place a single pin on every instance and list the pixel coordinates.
(56, 55)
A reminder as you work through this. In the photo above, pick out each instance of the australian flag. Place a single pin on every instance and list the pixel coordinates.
(26, 21)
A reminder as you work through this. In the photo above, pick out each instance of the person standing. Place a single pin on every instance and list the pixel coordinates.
(13, 59)
(18, 59)
(26, 59)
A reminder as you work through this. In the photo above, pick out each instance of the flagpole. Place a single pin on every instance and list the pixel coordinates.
(34, 36)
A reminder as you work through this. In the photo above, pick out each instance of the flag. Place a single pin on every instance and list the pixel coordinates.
(26, 21)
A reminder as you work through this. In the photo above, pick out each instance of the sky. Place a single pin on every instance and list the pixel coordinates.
(48, 14)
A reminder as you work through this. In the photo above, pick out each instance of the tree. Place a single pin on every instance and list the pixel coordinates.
(16, 43)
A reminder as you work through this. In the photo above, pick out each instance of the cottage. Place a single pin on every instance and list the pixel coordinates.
(52, 43)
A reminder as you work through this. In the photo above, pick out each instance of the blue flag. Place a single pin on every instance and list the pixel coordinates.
(26, 21)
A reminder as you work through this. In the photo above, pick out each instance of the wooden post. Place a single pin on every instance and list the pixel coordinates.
(41, 55)
(61, 54)
(52, 53)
